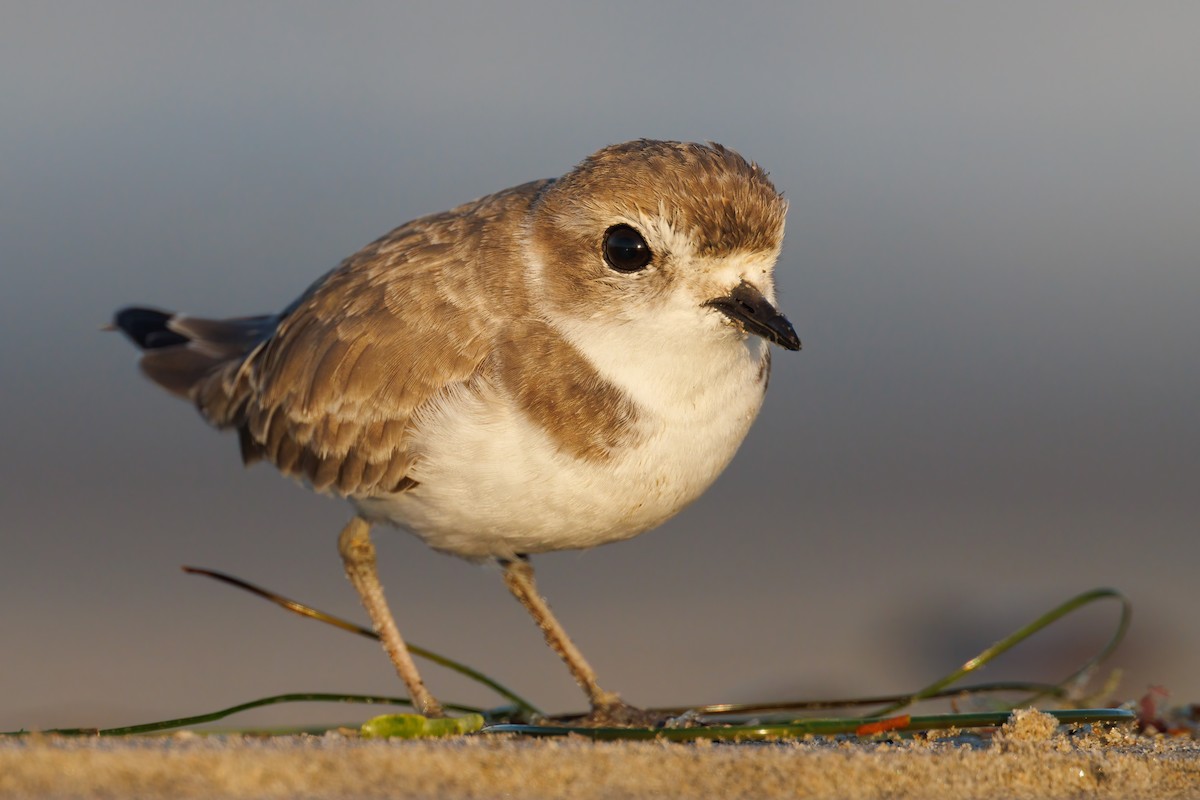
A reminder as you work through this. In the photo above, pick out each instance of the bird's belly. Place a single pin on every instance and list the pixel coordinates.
(493, 484)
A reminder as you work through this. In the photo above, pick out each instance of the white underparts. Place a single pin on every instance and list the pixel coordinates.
(494, 484)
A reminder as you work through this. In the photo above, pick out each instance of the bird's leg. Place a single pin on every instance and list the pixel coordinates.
(607, 707)
(358, 556)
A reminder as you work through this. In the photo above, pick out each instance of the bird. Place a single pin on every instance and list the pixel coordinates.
(559, 365)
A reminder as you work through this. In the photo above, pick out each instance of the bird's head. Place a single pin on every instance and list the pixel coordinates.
(677, 241)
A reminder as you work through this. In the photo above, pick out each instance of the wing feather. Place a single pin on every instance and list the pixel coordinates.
(331, 395)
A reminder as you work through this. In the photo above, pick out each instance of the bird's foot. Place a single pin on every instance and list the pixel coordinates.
(616, 713)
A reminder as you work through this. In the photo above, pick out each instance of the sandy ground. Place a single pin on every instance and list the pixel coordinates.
(1029, 758)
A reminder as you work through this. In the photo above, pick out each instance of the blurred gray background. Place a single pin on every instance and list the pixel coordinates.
(993, 260)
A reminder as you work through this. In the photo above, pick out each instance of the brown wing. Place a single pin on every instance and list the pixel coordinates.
(331, 395)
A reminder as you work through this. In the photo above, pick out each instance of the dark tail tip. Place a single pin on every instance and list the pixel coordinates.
(147, 327)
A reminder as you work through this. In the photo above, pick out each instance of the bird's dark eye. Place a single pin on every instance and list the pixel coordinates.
(625, 250)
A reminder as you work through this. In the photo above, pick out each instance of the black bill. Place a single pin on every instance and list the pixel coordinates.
(746, 306)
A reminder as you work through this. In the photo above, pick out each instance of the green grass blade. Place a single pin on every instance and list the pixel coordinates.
(200, 719)
(812, 727)
(719, 709)
(1010, 641)
(329, 619)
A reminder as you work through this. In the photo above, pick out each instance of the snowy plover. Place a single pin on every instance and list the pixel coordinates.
(558, 365)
